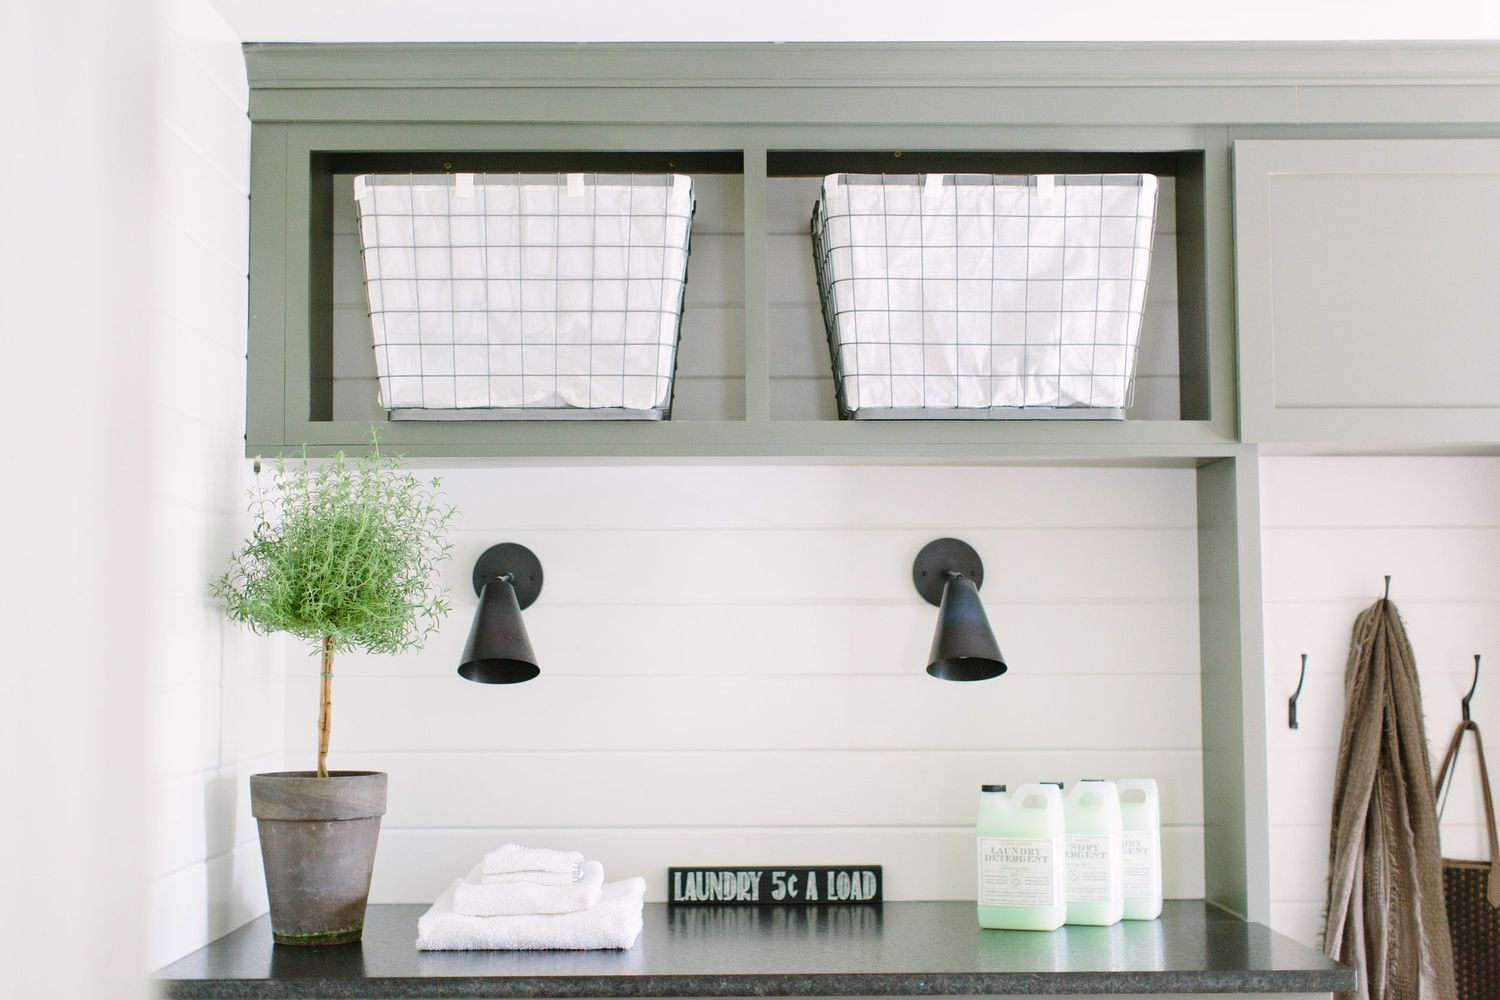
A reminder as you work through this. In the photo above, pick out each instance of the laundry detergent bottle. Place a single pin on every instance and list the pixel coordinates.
(1095, 891)
(1021, 847)
(1140, 847)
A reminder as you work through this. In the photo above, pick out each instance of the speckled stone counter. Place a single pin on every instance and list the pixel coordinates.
(898, 949)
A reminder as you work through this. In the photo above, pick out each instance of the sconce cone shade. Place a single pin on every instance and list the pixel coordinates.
(963, 647)
(498, 650)
(948, 573)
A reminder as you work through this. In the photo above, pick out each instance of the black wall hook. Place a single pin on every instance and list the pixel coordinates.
(1291, 703)
(1471, 688)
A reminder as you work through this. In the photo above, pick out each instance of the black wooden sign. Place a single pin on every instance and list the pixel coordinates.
(775, 886)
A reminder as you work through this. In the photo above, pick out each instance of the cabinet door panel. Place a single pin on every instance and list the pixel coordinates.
(1369, 291)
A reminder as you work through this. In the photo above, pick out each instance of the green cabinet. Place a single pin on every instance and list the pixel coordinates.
(1369, 291)
(1351, 191)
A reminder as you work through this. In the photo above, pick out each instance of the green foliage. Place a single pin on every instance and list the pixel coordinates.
(341, 548)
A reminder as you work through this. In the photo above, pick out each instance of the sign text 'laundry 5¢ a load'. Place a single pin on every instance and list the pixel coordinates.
(758, 886)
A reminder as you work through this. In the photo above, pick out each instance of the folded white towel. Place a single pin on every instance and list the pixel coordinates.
(472, 897)
(531, 878)
(614, 923)
(515, 858)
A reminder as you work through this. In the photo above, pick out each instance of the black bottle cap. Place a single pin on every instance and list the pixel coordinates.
(1059, 784)
(992, 788)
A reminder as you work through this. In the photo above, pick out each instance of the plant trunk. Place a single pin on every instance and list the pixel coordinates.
(325, 706)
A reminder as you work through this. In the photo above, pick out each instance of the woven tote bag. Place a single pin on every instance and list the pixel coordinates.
(1471, 890)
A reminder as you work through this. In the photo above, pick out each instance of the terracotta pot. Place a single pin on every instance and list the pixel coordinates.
(317, 841)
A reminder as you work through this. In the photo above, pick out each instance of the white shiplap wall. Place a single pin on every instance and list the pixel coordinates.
(711, 364)
(215, 696)
(1332, 529)
(732, 670)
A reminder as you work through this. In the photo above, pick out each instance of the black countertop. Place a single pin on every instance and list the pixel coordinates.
(898, 949)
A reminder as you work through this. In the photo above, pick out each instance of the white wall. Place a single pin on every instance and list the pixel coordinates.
(215, 696)
(76, 95)
(733, 670)
(1333, 528)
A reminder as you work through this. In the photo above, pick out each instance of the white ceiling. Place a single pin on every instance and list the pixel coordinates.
(859, 20)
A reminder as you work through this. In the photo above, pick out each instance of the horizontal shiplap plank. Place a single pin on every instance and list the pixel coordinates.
(210, 206)
(199, 727)
(831, 639)
(1301, 870)
(1444, 635)
(202, 815)
(209, 116)
(185, 561)
(414, 866)
(1320, 710)
(750, 713)
(200, 37)
(1394, 492)
(214, 477)
(835, 788)
(208, 290)
(194, 905)
(1308, 800)
(829, 565)
(1319, 564)
(833, 498)
(199, 377)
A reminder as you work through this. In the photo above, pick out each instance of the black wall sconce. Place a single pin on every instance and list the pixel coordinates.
(507, 578)
(948, 573)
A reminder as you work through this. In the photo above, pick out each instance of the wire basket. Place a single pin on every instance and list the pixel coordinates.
(525, 296)
(984, 296)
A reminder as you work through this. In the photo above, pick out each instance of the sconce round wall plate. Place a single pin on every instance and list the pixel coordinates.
(940, 557)
(521, 563)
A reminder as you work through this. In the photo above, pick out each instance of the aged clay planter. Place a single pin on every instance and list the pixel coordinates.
(317, 840)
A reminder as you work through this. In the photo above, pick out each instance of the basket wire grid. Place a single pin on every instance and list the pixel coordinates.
(984, 296)
(525, 296)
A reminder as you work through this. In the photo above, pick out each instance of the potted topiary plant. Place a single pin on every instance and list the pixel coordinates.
(343, 556)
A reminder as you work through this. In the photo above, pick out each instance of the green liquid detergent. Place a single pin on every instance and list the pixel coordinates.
(1140, 814)
(1021, 881)
(1095, 891)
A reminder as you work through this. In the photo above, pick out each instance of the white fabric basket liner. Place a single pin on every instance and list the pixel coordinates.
(976, 292)
(555, 294)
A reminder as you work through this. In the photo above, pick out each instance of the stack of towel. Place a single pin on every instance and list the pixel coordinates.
(530, 899)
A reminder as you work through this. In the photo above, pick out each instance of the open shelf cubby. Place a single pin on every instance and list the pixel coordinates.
(1171, 374)
(710, 365)
(754, 376)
